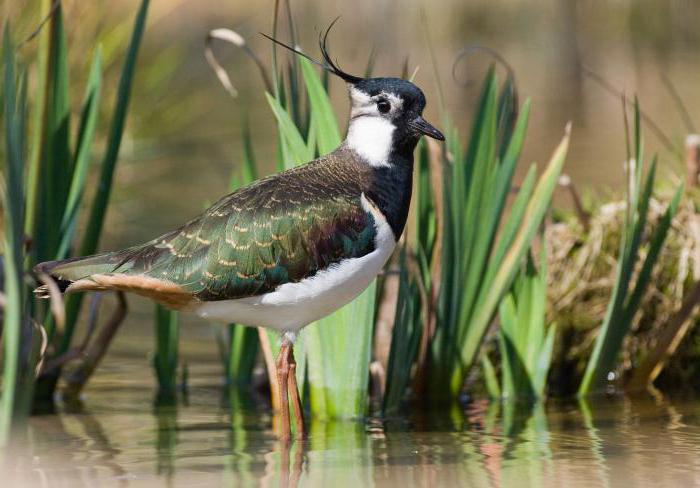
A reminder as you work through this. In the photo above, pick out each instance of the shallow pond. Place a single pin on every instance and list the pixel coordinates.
(119, 438)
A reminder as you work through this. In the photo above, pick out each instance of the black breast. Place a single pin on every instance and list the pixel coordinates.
(390, 190)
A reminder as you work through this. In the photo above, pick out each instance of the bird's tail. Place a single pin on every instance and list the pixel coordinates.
(68, 271)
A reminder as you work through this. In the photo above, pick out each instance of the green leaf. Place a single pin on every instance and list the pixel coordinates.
(241, 354)
(525, 341)
(294, 143)
(544, 361)
(55, 163)
(12, 193)
(339, 348)
(323, 121)
(101, 199)
(165, 360)
(99, 205)
(405, 339)
(491, 294)
(86, 134)
(626, 300)
(490, 377)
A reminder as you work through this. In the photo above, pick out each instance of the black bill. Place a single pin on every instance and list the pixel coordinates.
(420, 125)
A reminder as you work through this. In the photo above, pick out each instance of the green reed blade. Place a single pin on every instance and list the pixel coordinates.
(533, 336)
(484, 121)
(101, 199)
(13, 241)
(492, 291)
(55, 162)
(86, 135)
(507, 114)
(405, 339)
(496, 191)
(20, 345)
(295, 99)
(474, 240)
(250, 167)
(323, 120)
(490, 377)
(525, 341)
(480, 157)
(38, 134)
(165, 360)
(425, 219)
(510, 365)
(241, 355)
(656, 242)
(625, 301)
(296, 149)
(509, 162)
(339, 356)
(544, 361)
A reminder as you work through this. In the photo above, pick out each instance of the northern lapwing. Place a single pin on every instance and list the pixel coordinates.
(291, 248)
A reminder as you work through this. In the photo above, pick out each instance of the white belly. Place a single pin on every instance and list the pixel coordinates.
(294, 305)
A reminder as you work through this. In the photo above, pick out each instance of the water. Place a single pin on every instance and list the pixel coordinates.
(119, 438)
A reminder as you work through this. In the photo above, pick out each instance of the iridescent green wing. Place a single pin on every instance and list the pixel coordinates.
(257, 239)
(283, 244)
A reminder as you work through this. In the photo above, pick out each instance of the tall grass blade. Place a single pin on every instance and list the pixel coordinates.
(626, 297)
(99, 205)
(481, 248)
(101, 199)
(86, 135)
(165, 360)
(295, 150)
(241, 354)
(323, 121)
(339, 348)
(55, 160)
(405, 339)
(525, 340)
(490, 377)
(39, 118)
(13, 216)
(493, 291)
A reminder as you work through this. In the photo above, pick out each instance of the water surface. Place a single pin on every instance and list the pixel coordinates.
(119, 438)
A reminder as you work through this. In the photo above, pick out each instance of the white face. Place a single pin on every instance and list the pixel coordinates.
(371, 127)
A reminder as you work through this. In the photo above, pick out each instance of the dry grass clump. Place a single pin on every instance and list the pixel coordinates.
(583, 266)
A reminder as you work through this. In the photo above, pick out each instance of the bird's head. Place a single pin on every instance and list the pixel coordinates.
(386, 115)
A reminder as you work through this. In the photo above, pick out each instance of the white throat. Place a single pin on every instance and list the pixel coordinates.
(371, 137)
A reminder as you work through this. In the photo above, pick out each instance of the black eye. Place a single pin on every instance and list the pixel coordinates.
(383, 106)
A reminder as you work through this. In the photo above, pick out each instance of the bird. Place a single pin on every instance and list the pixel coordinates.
(290, 248)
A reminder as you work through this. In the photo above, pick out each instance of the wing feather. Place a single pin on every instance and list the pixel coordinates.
(275, 231)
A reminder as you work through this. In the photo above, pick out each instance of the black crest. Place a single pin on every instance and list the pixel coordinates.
(328, 63)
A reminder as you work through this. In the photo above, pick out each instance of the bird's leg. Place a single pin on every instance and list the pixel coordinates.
(285, 433)
(295, 399)
(286, 386)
